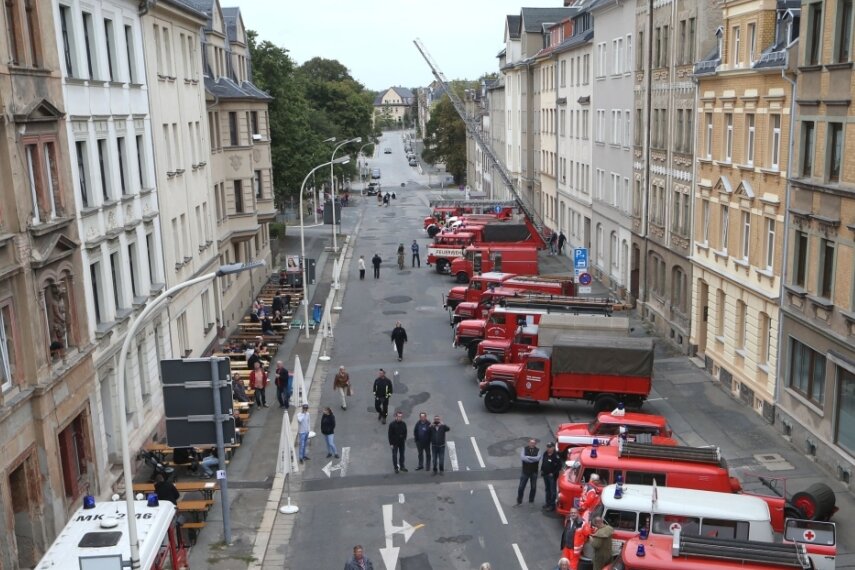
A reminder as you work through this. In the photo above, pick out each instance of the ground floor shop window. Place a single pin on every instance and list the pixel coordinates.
(845, 429)
(807, 372)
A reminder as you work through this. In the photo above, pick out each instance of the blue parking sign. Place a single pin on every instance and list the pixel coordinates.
(580, 258)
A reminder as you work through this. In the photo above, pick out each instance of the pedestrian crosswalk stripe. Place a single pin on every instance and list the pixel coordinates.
(452, 456)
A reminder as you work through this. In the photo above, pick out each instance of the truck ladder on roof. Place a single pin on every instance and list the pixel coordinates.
(475, 131)
(581, 304)
(779, 554)
(440, 203)
(711, 455)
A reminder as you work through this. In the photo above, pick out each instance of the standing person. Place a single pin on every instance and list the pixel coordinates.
(277, 303)
(328, 431)
(553, 243)
(341, 384)
(361, 268)
(437, 443)
(258, 381)
(400, 253)
(399, 337)
(398, 440)
(382, 393)
(421, 435)
(571, 525)
(416, 260)
(550, 467)
(530, 457)
(563, 564)
(283, 388)
(165, 489)
(579, 539)
(376, 261)
(601, 540)
(386, 199)
(562, 239)
(358, 562)
(303, 422)
(590, 494)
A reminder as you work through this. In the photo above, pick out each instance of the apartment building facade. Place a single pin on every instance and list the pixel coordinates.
(240, 165)
(614, 35)
(47, 380)
(740, 196)
(495, 96)
(110, 142)
(668, 42)
(816, 387)
(185, 192)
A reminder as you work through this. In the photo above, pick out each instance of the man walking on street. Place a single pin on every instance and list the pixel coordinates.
(437, 444)
(328, 431)
(258, 381)
(421, 435)
(416, 261)
(530, 457)
(303, 422)
(341, 384)
(399, 337)
(550, 467)
(382, 393)
(376, 261)
(361, 262)
(358, 562)
(398, 440)
(283, 385)
(562, 239)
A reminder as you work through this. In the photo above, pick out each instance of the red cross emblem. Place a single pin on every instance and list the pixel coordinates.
(809, 535)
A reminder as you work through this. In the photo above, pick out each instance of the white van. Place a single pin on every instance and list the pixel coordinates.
(699, 513)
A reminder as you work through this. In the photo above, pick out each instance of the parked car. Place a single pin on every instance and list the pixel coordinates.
(372, 189)
(413, 162)
(387, 150)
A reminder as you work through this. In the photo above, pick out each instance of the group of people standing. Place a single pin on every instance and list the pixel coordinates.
(376, 261)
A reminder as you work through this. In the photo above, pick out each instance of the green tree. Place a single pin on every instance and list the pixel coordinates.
(445, 140)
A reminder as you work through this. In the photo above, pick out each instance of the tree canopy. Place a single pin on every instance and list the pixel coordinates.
(445, 140)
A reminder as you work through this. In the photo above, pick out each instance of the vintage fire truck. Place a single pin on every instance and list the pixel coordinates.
(441, 210)
(480, 284)
(519, 258)
(633, 426)
(511, 297)
(604, 371)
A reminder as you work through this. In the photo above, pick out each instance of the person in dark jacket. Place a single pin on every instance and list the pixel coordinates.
(530, 457)
(382, 393)
(398, 440)
(421, 435)
(376, 261)
(399, 337)
(267, 326)
(437, 443)
(283, 385)
(278, 305)
(416, 260)
(359, 561)
(550, 467)
(166, 490)
(328, 431)
(562, 239)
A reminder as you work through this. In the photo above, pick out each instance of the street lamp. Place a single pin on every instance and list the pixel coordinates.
(130, 336)
(340, 160)
(332, 186)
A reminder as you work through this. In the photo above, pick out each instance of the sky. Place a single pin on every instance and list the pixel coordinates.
(374, 38)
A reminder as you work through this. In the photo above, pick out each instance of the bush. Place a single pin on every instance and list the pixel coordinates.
(277, 230)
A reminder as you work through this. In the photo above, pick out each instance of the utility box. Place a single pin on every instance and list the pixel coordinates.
(328, 212)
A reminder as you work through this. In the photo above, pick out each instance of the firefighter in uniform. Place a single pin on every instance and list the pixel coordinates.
(590, 496)
(580, 537)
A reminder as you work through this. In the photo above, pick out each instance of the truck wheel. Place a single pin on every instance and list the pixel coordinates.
(605, 404)
(482, 371)
(462, 277)
(816, 502)
(442, 266)
(497, 401)
(793, 513)
(472, 351)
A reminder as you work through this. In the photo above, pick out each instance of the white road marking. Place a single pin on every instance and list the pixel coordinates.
(401, 498)
(477, 452)
(463, 412)
(345, 460)
(452, 456)
(519, 557)
(498, 504)
(655, 399)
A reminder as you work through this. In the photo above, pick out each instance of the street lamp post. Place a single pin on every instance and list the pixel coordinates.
(340, 160)
(332, 187)
(130, 336)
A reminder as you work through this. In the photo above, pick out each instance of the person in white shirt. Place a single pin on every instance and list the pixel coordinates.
(361, 267)
(303, 422)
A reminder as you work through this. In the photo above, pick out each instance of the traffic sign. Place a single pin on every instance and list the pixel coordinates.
(580, 258)
(585, 279)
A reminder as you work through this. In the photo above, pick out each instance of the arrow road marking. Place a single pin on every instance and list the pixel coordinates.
(390, 552)
(342, 465)
(452, 456)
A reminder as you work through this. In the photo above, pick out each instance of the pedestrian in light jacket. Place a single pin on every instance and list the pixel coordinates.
(361, 267)
(398, 440)
(530, 458)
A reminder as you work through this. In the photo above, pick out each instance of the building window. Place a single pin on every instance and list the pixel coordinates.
(74, 456)
(770, 244)
(725, 223)
(183, 344)
(238, 196)
(844, 30)
(844, 431)
(97, 291)
(627, 62)
(130, 49)
(678, 290)
(807, 372)
(720, 309)
(88, 39)
(741, 324)
(825, 286)
(775, 146)
(207, 321)
(150, 255)
(750, 138)
(132, 266)
(233, 129)
(104, 169)
(678, 140)
(66, 29)
(728, 137)
(800, 259)
(814, 31)
(734, 32)
(688, 138)
(110, 39)
(258, 184)
(43, 178)
(764, 339)
(13, 31)
(705, 219)
(116, 276)
(691, 41)
(253, 122)
(746, 235)
(752, 42)
(708, 139)
(122, 158)
(835, 150)
(8, 349)
(807, 147)
(141, 161)
(83, 172)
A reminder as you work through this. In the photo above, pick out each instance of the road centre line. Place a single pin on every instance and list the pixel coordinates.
(477, 452)
(519, 556)
(452, 455)
(496, 502)
(463, 412)
(401, 498)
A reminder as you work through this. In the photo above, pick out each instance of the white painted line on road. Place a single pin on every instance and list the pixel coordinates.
(345, 460)
(463, 413)
(498, 504)
(452, 456)
(401, 498)
(655, 399)
(519, 557)
(477, 452)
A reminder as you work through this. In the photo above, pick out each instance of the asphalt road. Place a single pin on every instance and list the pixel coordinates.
(465, 517)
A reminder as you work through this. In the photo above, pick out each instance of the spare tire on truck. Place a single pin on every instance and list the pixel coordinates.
(432, 230)
(816, 502)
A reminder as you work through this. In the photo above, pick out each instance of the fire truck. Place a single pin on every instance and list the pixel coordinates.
(442, 210)
(602, 370)
(515, 258)
(511, 297)
(450, 244)
(701, 468)
(480, 284)
(633, 426)
(98, 533)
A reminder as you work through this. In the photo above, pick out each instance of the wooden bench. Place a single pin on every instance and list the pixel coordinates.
(206, 488)
(192, 531)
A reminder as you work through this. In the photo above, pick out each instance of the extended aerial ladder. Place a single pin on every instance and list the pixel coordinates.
(475, 131)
